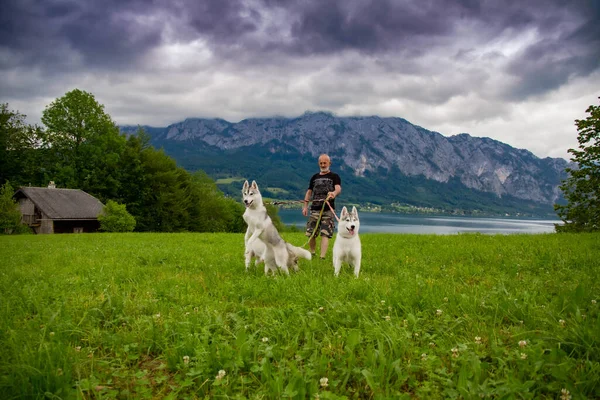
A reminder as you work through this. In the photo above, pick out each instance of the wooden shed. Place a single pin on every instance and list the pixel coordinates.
(52, 210)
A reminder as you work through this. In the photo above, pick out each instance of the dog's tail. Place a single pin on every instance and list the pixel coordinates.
(298, 251)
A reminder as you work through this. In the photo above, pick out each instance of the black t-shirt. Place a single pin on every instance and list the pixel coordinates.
(320, 186)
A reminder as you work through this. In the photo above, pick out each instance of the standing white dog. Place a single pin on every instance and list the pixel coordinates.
(262, 239)
(347, 244)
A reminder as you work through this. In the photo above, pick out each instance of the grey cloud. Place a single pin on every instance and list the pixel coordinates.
(553, 61)
(97, 34)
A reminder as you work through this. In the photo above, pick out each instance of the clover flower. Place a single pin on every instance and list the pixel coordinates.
(438, 312)
(593, 301)
(424, 356)
(387, 318)
(221, 374)
(478, 339)
(522, 343)
(564, 394)
(265, 339)
(562, 322)
(455, 352)
(324, 382)
(186, 360)
(523, 356)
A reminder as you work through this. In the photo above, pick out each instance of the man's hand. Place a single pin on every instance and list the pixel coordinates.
(305, 210)
(330, 195)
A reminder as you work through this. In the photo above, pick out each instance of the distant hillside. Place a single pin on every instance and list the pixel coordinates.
(382, 161)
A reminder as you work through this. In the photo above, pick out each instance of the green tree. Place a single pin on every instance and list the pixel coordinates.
(19, 148)
(582, 188)
(10, 214)
(86, 144)
(115, 218)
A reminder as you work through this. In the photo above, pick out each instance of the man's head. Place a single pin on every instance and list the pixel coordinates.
(324, 163)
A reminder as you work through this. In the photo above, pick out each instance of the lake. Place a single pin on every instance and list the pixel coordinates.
(443, 225)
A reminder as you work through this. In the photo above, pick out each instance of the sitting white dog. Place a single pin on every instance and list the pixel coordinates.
(347, 246)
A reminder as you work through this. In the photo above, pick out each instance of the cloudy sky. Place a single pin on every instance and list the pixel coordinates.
(517, 71)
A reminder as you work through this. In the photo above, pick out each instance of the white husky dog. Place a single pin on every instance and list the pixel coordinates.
(347, 244)
(262, 239)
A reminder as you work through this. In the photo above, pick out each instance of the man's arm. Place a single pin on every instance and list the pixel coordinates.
(307, 198)
(336, 192)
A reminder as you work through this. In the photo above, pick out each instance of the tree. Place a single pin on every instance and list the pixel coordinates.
(85, 142)
(19, 148)
(582, 188)
(115, 218)
(10, 214)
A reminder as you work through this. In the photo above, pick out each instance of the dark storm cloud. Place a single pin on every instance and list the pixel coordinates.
(98, 34)
(116, 32)
(551, 62)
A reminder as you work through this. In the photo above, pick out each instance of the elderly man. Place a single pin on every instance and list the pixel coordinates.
(324, 185)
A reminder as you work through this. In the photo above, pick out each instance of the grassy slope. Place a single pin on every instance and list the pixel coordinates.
(158, 315)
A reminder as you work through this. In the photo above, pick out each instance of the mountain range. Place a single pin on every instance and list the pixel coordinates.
(385, 163)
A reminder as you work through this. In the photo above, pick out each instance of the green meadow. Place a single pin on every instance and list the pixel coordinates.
(155, 316)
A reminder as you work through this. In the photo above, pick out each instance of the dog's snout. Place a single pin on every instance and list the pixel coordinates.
(352, 226)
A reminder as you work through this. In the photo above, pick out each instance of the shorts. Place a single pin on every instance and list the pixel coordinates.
(326, 225)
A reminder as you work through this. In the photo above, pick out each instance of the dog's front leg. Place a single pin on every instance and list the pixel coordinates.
(356, 267)
(246, 236)
(337, 265)
(254, 236)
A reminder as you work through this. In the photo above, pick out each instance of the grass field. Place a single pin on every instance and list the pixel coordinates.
(151, 316)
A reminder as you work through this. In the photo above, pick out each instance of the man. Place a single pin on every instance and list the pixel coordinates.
(323, 185)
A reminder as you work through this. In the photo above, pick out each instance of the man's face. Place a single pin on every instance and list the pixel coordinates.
(324, 164)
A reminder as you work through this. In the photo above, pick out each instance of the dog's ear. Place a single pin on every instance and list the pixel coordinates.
(254, 185)
(245, 185)
(354, 211)
(344, 212)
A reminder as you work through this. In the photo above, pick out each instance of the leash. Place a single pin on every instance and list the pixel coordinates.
(319, 219)
(325, 201)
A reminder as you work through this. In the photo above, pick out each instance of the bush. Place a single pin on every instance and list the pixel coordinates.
(115, 218)
(10, 214)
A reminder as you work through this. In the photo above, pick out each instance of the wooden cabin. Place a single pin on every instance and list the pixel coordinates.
(52, 210)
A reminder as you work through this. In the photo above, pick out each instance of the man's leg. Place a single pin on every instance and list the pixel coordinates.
(324, 245)
(312, 243)
(326, 231)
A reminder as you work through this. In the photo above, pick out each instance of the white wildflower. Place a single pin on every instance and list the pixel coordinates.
(324, 382)
(186, 360)
(265, 339)
(387, 318)
(439, 312)
(593, 301)
(562, 322)
(523, 356)
(78, 348)
(522, 343)
(565, 395)
(221, 374)
(424, 356)
(478, 339)
(455, 352)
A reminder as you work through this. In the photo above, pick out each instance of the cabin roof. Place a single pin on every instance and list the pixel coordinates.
(62, 203)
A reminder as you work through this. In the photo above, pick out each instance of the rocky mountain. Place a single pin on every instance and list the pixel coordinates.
(366, 148)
